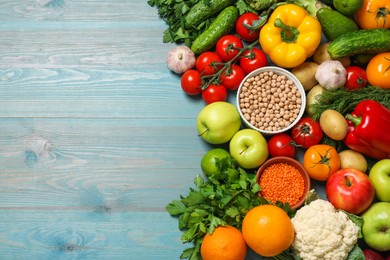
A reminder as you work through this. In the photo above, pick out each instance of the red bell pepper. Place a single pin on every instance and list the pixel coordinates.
(369, 129)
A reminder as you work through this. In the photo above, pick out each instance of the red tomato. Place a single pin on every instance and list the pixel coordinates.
(356, 78)
(253, 59)
(208, 63)
(231, 78)
(214, 93)
(307, 132)
(282, 145)
(191, 83)
(228, 47)
(243, 24)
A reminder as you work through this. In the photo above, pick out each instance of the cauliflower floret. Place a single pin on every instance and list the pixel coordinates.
(322, 232)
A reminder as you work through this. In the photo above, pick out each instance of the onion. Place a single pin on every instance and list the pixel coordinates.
(180, 59)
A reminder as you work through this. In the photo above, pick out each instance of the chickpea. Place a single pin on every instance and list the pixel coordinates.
(270, 101)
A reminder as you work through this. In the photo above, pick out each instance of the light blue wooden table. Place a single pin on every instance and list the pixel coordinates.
(96, 136)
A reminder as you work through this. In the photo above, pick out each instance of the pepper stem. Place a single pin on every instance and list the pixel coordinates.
(289, 34)
(356, 120)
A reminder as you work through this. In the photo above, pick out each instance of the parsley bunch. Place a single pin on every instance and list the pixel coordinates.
(221, 199)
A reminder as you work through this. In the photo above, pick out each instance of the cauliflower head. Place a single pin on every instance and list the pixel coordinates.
(322, 232)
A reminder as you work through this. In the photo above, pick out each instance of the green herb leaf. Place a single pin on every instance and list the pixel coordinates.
(356, 253)
(176, 207)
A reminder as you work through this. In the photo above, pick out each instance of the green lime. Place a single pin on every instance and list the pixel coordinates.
(347, 7)
(210, 158)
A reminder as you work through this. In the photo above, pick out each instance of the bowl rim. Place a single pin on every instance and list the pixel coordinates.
(278, 70)
(293, 162)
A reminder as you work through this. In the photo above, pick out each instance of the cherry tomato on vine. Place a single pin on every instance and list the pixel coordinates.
(253, 59)
(208, 63)
(243, 24)
(191, 83)
(306, 132)
(282, 145)
(228, 46)
(378, 70)
(356, 78)
(373, 14)
(320, 161)
(231, 78)
(214, 93)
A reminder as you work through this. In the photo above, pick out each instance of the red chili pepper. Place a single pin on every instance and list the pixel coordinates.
(368, 132)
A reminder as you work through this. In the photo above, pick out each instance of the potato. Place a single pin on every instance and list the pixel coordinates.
(321, 54)
(311, 98)
(333, 124)
(353, 159)
(305, 73)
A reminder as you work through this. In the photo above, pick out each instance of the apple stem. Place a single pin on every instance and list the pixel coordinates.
(203, 132)
(348, 181)
(246, 147)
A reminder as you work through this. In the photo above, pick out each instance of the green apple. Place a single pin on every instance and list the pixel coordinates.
(249, 148)
(209, 162)
(376, 226)
(380, 177)
(218, 122)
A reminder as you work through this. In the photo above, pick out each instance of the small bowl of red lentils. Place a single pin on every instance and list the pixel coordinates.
(271, 100)
(283, 179)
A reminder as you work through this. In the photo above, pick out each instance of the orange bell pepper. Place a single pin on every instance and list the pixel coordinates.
(290, 36)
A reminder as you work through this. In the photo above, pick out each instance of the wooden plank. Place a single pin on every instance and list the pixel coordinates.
(89, 235)
(139, 164)
(74, 10)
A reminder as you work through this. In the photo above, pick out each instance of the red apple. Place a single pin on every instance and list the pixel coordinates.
(350, 189)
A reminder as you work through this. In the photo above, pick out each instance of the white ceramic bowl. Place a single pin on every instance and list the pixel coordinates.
(279, 71)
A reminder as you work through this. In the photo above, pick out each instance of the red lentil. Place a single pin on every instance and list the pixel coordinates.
(282, 182)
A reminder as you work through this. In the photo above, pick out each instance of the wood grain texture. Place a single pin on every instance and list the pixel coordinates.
(96, 135)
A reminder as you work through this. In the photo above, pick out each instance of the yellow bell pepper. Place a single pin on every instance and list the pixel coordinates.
(290, 36)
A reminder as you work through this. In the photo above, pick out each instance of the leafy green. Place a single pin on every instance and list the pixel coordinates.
(173, 13)
(356, 253)
(222, 199)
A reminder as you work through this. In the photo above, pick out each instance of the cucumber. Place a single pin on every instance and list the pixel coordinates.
(201, 11)
(371, 41)
(334, 23)
(222, 25)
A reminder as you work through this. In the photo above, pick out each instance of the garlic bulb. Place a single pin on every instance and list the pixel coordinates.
(331, 74)
(180, 59)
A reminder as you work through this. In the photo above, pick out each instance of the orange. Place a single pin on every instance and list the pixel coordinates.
(267, 230)
(225, 243)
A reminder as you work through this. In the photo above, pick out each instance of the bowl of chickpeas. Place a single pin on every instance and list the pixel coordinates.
(271, 100)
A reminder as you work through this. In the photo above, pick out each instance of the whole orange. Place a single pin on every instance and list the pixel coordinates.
(267, 230)
(226, 242)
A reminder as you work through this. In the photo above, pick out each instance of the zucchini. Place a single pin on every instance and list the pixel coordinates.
(222, 25)
(371, 41)
(203, 10)
(334, 23)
